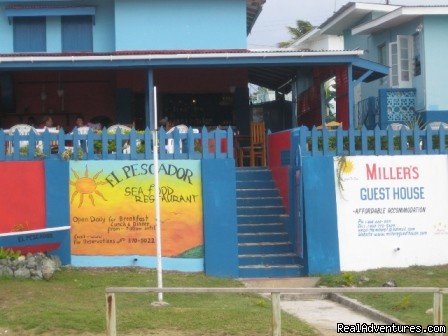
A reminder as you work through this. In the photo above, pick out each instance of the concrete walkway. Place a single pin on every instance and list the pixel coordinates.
(320, 313)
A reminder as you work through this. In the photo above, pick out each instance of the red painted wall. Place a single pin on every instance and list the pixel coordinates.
(90, 93)
(278, 142)
(309, 102)
(184, 80)
(22, 200)
(199, 80)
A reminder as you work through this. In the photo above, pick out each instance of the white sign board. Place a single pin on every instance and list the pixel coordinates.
(392, 211)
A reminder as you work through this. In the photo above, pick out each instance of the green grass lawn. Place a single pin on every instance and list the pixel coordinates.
(74, 302)
(409, 308)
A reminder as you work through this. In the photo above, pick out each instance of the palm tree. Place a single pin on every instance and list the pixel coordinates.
(301, 28)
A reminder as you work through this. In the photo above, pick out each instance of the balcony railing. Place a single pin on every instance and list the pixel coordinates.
(133, 145)
(397, 106)
(338, 142)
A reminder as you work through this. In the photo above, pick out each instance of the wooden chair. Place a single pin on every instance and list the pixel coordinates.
(257, 147)
(330, 125)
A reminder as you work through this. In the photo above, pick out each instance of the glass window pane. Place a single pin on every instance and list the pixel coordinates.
(405, 76)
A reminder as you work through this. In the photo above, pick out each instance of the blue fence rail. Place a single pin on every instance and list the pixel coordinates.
(339, 142)
(133, 145)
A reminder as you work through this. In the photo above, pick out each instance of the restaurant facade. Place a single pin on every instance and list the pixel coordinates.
(91, 196)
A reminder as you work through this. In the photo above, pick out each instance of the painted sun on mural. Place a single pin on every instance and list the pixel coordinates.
(86, 186)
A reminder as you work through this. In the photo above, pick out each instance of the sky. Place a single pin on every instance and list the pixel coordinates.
(270, 27)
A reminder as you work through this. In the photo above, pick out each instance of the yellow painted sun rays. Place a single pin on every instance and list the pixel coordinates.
(347, 166)
(86, 186)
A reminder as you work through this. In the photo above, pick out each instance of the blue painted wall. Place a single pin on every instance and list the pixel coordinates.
(370, 45)
(321, 232)
(56, 193)
(180, 24)
(168, 264)
(220, 226)
(103, 29)
(435, 30)
(430, 88)
(6, 32)
(54, 34)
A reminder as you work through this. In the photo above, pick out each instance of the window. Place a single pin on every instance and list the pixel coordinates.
(77, 33)
(400, 61)
(417, 47)
(29, 34)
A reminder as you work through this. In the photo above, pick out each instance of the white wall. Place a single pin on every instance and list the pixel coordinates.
(371, 233)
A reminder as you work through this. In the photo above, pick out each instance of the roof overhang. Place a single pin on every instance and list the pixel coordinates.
(271, 69)
(347, 16)
(311, 36)
(254, 8)
(398, 17)
(368, 70)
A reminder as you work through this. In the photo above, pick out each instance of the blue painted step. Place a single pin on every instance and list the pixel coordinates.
(258, 201)
(253, 174)
(264, 227)
(255, 184)
(261, 237)
(262, 271)
(259, 210)
(264, 249)
(268, 259)
(261, 192)
(267, 248)
(259, 219)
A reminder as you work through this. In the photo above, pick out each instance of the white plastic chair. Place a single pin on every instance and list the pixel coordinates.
(23, 129)
(397, 127)
(435, 125)
(170, 142)
(123, 128)
(83, 130)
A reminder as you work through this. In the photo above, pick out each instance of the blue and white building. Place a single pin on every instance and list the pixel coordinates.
(407, 39)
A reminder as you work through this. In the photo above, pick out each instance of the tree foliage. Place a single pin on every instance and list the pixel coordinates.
(302, 27)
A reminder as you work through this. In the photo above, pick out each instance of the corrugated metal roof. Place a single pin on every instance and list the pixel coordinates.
(337, 13)
(351, 13)
(400, 16)
(188, 52)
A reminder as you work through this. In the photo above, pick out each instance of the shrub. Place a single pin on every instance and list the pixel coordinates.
(9, 254)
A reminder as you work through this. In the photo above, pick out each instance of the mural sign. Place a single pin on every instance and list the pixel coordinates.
(391, 211)
(112, 208)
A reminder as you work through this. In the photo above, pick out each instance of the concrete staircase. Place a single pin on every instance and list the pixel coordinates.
(264, 247)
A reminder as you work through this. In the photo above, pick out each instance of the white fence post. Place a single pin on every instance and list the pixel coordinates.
(276, 315)
(111, 315)
(438, 309)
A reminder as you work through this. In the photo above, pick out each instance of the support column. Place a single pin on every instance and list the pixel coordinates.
(351, 98)
(149, 106)
(294, 94)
